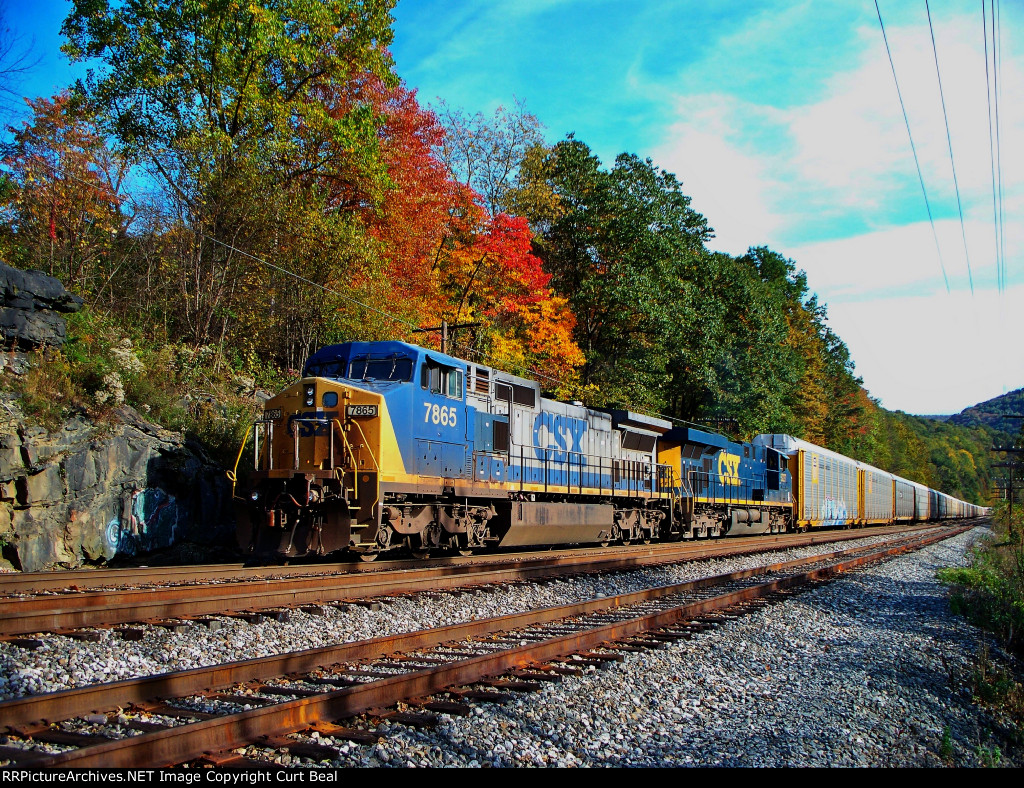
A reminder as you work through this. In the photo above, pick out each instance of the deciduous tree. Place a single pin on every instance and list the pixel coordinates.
(63, 211)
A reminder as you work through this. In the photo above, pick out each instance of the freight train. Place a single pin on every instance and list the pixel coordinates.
(385, 445)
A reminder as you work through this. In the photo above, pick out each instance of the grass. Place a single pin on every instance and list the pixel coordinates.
(990, 591)
(195, 391)
(990, 594)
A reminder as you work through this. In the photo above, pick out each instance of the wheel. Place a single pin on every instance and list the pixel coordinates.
(466, 553)
(420, 555)
(368, 557)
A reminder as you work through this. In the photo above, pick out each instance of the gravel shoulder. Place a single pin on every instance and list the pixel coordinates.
(871, 670)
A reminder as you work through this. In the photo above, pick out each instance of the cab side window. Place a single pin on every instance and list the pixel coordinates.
(439, 379)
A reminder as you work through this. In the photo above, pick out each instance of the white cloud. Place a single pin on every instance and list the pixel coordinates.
(830, 182)
(842, 164)
(729, 185)
(939, 353)
(902, 260)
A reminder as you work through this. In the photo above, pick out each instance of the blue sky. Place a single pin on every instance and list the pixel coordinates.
(782, 122)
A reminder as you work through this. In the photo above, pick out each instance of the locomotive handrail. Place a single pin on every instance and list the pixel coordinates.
(233, 473)
(352, 454)
(366, 443)
(295, 420)
(660, 478)
(744, 489)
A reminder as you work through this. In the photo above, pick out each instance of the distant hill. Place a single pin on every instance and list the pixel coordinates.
(1004, 414)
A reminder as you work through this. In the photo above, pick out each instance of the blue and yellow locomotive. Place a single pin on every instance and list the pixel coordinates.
(386, 445)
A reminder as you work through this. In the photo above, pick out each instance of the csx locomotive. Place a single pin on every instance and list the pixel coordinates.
(386, 445)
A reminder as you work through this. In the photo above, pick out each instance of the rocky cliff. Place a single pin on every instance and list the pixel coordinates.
(30, 303)
(88, 492)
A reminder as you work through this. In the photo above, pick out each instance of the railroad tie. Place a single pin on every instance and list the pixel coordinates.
(164, 710)
(346, 734)
(537, 675)
(84, 635)
(289, 692)
(447, 707)
(231, 760)
(244, 700)
(602, 656)
(143, 726)
(564, 670)
(20, 757)
(56, 736)
(302, 749)
(413, 719)
(249, 617)
(512, 686)
(212, 624)
(482, 696)
(334, 681)
(29, 644)
(600, 664)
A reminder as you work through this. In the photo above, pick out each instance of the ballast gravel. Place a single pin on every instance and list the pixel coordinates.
(62, 662)
(871, 670)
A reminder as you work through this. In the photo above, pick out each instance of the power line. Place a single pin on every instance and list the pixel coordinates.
(949, 140)
(474, 352)
(55, 170)
(913, 148)
(397, 319)
(1000, 284)
(997, 54)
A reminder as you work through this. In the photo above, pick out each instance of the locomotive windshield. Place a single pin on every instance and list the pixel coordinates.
(393, 367)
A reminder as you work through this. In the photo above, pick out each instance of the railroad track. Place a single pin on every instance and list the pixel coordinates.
(68, 581)
(245, 596)
(316, 689)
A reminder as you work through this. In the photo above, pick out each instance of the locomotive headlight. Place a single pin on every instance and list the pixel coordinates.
(255, 495)
(310, 396)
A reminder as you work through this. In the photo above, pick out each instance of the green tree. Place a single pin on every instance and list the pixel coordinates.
(234, 108)
(623, 247)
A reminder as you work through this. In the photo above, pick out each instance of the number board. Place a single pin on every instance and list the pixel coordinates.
(272, 414)
(357, 411)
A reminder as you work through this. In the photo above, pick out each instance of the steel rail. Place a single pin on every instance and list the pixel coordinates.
(71, 703)
(187, 742)
(62, 612)
(79, 580)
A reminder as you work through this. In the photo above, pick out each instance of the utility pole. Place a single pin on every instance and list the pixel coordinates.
(1012, 461)
(444, 328)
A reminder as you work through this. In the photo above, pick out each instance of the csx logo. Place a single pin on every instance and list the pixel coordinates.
(728, 468)
(559, 437)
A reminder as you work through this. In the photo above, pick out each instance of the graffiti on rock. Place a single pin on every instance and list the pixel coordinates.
(149, 521)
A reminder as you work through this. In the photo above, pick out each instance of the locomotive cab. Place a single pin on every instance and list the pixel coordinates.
(361, 414)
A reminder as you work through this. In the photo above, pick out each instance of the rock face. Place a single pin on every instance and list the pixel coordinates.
(88, 492)
(29, 305)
